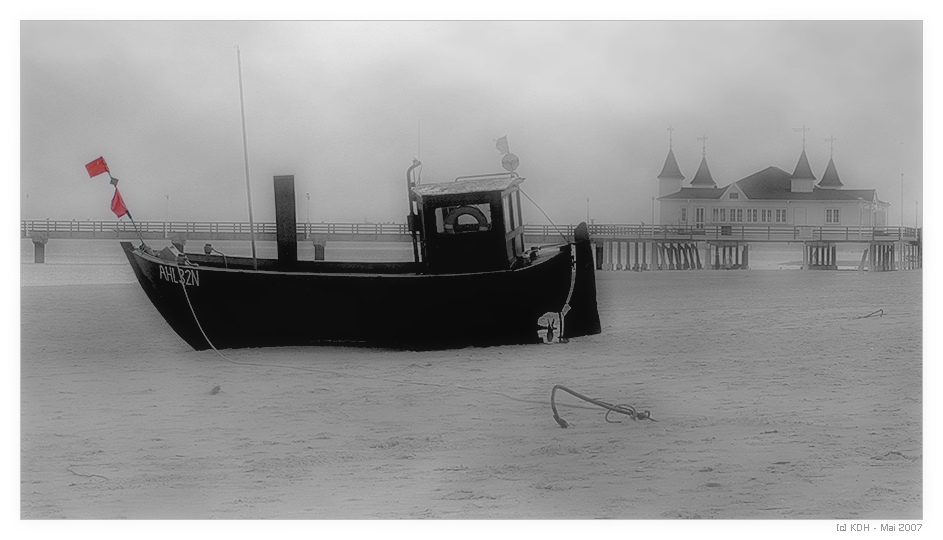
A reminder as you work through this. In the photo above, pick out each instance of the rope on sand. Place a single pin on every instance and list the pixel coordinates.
(879, 313)
(86, 475)
(627, 410)
(197, 321)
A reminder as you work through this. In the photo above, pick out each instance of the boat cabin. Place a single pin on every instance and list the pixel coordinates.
(471, 225)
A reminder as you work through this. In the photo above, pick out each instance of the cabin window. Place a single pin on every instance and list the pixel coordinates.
(463, 219)
(736, 215)
(507, 214)
(780, 215)
(831, 215)
(766, 215)
(752, 215)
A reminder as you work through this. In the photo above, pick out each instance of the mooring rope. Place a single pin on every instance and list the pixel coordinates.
(627, 410)
(552, 224)
(225, 261)
(195, 319)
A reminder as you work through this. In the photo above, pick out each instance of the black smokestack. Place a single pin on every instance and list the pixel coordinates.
(285, 225)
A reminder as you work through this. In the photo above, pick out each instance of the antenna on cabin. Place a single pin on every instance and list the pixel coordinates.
(510, 162)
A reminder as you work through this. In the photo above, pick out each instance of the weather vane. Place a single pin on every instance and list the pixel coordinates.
(803, 129)
(670, 139)
(703, 140)
(831, 145)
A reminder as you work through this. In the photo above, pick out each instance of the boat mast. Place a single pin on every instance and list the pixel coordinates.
(245, 153)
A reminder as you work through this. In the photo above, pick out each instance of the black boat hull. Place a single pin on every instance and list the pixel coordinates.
(213, 306)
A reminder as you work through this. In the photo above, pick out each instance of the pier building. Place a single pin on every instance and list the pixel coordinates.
(771, 205)
(770, 197)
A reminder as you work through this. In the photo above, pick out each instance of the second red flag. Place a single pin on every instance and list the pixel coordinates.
(117, 204)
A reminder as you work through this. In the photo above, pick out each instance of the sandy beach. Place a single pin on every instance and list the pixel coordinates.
(774, 399)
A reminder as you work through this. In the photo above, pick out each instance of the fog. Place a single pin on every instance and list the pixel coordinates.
(345, 106)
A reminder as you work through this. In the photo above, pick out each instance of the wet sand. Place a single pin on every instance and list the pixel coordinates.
(773, 400)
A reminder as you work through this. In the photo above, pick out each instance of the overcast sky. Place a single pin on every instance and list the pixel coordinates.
(345, 106)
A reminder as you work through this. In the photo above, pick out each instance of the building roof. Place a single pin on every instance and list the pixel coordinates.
(870, 195)
(773, 183)
(803, 169)
(499, 182)
(830, 177)
(702, 178)
(671, 169)
(696, 193)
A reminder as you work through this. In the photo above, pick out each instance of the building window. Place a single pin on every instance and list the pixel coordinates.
(715, 215)
(766, 215)
(831, 215)
(723, 215)
(780, 215)
(736, 215)
(734, 195)
(684, 215)
(752, 215)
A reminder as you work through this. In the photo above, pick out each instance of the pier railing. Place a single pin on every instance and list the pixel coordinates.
(203, 229)
(399, 231)
(756, 233)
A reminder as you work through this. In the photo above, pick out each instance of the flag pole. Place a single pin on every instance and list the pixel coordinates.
(126, 211)
(245, 153)
(136, 228)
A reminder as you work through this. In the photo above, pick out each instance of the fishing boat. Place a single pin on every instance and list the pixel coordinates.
(472, 281)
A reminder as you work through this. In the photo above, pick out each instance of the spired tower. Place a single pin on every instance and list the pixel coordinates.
(669, 181)
(830, 178)
(703, 178)
(802, 178)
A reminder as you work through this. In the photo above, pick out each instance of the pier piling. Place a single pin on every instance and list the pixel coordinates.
(39, 247)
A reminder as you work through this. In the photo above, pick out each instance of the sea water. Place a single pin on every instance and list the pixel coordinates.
(94, 262)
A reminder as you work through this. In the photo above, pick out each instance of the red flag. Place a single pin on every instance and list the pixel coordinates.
(117, 204)
(96, 167)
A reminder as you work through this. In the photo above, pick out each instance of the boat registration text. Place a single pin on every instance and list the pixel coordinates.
(187, 276)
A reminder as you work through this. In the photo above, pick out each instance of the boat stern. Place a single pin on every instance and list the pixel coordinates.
(582, 319)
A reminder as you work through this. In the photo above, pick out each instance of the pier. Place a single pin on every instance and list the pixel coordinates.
(618, 246)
